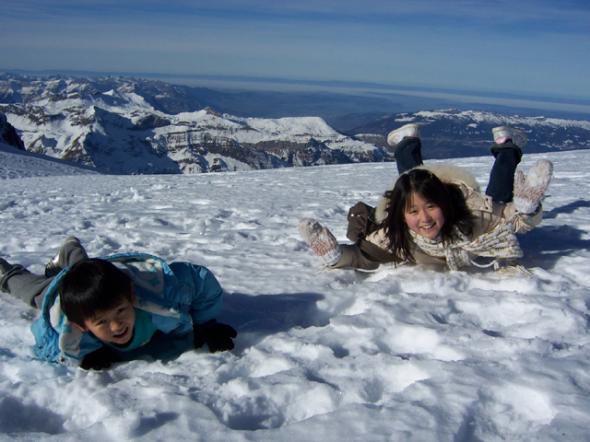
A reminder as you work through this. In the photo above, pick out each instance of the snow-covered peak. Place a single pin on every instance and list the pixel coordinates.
(293, 127)
(111, 126)
(120, 126)
(495, 118)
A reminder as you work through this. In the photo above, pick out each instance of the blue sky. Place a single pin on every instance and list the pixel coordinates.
(524, 47)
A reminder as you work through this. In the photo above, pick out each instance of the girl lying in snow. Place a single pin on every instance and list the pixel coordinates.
(436, 216)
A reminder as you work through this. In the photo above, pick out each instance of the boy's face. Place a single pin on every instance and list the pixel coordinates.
(114, 325)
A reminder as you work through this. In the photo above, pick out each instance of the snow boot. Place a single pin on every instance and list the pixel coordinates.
(502, 134)
(58, 262)
(407, 130)
(5, 267)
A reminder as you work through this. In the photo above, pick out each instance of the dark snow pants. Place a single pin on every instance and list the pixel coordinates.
(29, 287)
(408, 155)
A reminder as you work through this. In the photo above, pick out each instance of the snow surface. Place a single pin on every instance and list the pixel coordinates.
(402, 354)
(15, 163)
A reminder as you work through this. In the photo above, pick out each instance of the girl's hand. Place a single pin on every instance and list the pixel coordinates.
(529, 190)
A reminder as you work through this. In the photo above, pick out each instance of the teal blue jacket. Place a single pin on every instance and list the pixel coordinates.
(176, 296)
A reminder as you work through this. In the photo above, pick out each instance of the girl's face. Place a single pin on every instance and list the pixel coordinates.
(423, 217)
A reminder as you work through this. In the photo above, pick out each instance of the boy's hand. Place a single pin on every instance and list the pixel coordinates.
(99, 359)
(216, 335)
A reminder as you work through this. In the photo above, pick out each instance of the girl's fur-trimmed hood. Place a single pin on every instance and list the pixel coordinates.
(447, 173)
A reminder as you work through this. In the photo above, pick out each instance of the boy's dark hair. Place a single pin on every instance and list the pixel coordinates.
(91, 286)
(447, 196)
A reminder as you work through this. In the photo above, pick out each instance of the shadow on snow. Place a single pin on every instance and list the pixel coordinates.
(568, 208)
(545, 245)
(253, 316)
(258, 316)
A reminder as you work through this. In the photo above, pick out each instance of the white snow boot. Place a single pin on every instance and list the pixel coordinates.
(407, 130)
(502, 134)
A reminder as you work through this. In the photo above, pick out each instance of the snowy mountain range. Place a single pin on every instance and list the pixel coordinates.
(452, 133)
(125, 126)
(108, 125)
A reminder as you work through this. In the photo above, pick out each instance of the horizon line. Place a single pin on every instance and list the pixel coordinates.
(247, 83)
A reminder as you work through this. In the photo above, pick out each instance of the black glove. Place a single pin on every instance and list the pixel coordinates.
(360, 221)
(99, 359)
(216, 335)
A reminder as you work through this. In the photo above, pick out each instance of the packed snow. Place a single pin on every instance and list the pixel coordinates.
(15, 163)
(402, 354)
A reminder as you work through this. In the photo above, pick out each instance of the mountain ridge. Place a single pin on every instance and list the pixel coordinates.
(123, 126)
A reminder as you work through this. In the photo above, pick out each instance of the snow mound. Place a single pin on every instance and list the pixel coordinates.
(15, 163)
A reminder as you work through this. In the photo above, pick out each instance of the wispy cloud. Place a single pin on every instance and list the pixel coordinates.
(574, 14)
(539, 45)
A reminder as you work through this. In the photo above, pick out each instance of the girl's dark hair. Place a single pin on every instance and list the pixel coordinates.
(91, 286)
(445, 195)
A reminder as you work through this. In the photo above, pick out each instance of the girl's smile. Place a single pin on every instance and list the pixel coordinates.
(424, 217)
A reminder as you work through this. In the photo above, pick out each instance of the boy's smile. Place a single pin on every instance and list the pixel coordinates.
(115, 325)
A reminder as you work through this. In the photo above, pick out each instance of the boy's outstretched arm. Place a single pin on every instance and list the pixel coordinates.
(206, 298)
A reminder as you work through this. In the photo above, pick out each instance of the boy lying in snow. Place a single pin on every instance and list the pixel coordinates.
(98, 311)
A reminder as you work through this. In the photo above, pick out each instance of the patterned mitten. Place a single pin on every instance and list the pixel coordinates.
(529, 190)
(321, 241)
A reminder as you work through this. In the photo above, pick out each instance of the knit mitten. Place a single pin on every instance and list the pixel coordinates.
(321, 241)
(529, 190)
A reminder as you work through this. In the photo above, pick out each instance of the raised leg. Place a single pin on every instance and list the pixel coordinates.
(20, 283)
(27, 286)
(408, 147)
(507, 156)
(408, 154)
(70, 252)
